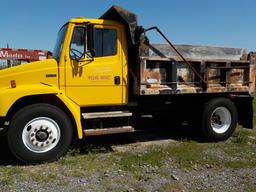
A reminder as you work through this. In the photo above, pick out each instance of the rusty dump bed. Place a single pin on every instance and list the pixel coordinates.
(218, 70)
(168, 69)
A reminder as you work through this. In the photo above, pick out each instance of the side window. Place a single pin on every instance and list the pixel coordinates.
(105, 42)
(77, 46)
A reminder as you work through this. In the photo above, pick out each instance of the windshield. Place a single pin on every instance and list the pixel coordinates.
(59, 43)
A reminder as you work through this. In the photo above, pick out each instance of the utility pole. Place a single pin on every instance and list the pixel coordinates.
(8, 61)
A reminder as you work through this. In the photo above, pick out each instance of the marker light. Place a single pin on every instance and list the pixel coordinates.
(13, 83)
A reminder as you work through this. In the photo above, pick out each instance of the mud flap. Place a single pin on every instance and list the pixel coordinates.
(245, 111)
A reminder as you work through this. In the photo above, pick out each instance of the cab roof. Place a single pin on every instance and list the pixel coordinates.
(115, 15)
(94, 21)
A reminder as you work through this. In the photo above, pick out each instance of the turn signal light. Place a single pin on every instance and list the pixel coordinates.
(13, 84)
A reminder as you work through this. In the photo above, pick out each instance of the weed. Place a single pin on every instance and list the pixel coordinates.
(133, 161)
(9, 174)
(171, 187)
(186, 154)
(244, 136)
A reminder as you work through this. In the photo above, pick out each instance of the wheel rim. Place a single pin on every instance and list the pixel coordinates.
(41, 134)
(220, 120)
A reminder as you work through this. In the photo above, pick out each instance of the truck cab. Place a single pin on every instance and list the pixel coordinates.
(92, 58)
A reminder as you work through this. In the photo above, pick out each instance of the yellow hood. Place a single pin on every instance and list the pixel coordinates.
(40, 72)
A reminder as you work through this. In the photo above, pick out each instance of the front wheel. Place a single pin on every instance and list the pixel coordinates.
(39, 133)
(219, 119)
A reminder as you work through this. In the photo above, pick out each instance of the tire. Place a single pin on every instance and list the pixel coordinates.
(39, 133)
(219, 119)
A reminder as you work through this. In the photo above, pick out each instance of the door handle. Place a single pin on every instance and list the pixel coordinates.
(117, 80)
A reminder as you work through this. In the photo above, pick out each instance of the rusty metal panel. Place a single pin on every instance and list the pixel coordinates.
(214, 77)
(238, 82)
(252, 59)
(185, 74)
(157, 77)
(233, 75)
(237, 76)
(188, 88)
(199, 52)
(220, 76)
(238, 88)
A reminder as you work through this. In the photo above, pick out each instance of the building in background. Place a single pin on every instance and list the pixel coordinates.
(12, 57)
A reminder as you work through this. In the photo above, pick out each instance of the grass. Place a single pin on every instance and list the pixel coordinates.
(171, 187)
(132, 161)
(139, 166)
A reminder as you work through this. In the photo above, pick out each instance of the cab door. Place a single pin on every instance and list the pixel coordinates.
(95, 80)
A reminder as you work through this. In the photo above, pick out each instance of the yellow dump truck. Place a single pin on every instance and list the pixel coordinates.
(105, 71)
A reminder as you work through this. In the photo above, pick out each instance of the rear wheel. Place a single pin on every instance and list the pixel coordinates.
(39, 133)
(219, 119)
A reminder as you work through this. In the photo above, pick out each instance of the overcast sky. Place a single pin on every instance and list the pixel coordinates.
(34, 24)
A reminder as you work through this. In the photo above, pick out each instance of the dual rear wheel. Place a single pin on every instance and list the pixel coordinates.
(219, 119)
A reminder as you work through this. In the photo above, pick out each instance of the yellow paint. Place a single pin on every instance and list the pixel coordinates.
(75, 110)
(76, 84)
(30, 80)
(9, 96)
(91, 83)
